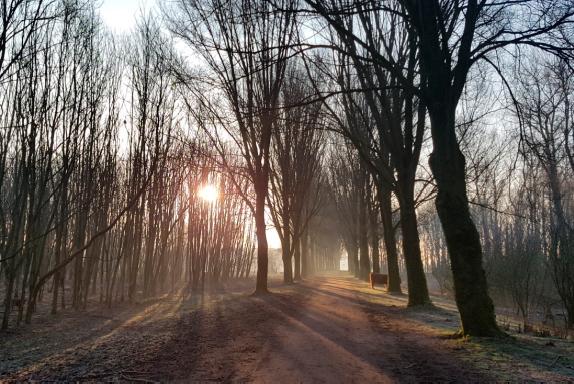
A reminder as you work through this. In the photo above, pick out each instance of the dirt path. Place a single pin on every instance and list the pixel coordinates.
(332, 329)
(333, 336)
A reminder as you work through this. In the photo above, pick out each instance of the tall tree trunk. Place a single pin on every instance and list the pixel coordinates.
(287, 261)
(8, 298)
(297, 257)
(60, 236)
(463, 242)
(353, 259)
(562, 256)
(374, 231)
(286, 249)
(375, 242)
(384, 195)
(364, 263)
(304, 243)
(418, 291)
(260, 229)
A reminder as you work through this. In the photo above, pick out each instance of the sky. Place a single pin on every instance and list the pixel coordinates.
(120, 15)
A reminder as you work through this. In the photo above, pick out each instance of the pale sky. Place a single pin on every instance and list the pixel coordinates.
(121, 15)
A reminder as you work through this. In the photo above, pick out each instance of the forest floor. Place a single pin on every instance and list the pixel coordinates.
(328, 329)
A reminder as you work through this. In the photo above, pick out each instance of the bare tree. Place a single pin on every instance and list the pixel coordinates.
(452, 36)
(385, 121)
(246, 45)
(296, 152)
(546, 114)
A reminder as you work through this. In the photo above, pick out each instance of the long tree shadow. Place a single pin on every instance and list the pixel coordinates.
(550, 355)
(416, 359)
(210, 339)
(77, 345)
(540, 354)
(224, 338)
(439, 312)
(393, 305)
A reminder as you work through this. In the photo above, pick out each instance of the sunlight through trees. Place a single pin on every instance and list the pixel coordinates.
(428, 141)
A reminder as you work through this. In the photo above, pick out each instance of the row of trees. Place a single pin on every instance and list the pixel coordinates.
(519, 184)
(393, 65)
(109, 144)
(88, 194)
(100, 176)
(256, 88)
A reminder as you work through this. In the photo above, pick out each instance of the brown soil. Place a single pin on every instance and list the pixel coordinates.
(330, 329)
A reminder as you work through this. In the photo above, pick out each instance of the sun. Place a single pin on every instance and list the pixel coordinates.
(208, 193)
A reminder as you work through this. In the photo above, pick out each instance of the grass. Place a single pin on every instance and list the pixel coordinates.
(522, 356)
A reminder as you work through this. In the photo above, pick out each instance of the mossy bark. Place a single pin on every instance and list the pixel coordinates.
(463, 242)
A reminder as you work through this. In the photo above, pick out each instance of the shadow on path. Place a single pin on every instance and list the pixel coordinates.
(330, 329)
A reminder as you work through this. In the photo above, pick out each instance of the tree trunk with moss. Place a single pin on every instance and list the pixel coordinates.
(463, 242)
